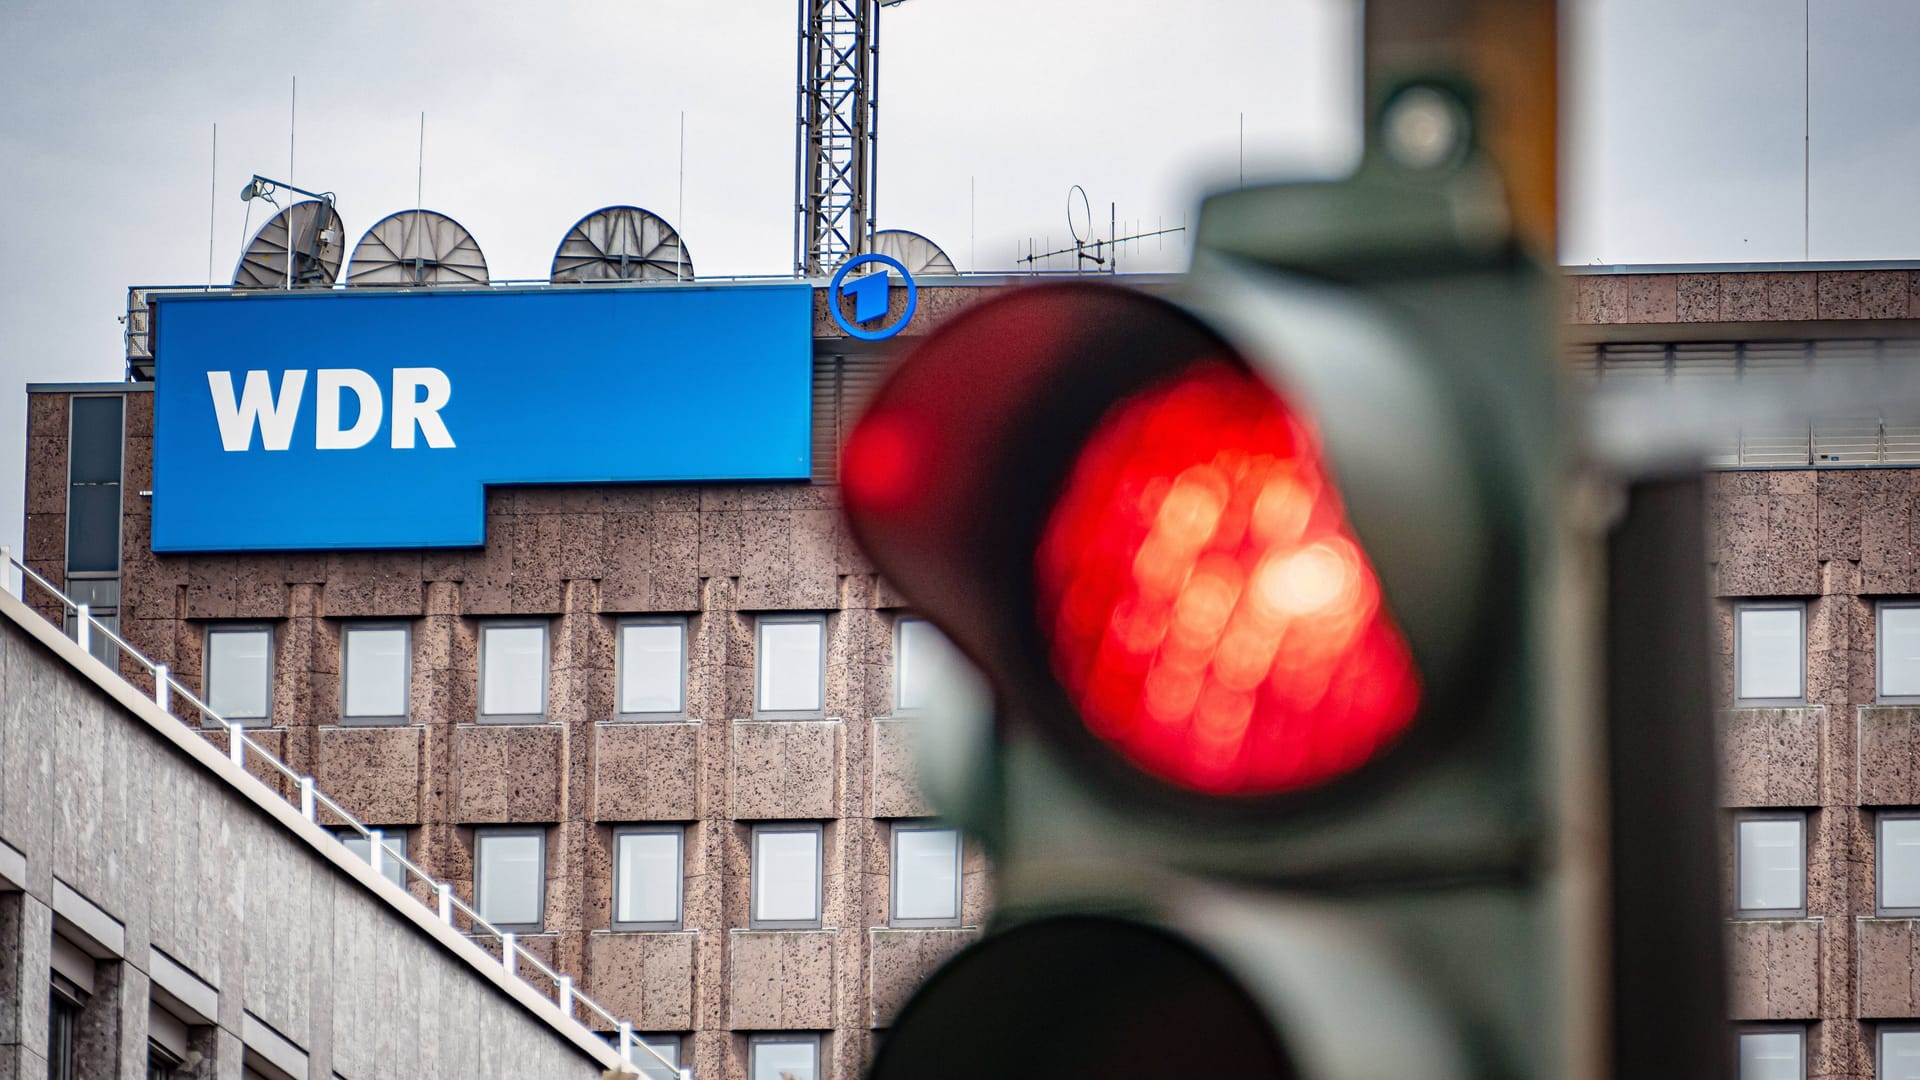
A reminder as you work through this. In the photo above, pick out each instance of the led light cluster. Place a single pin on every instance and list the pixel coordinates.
(1210, 611)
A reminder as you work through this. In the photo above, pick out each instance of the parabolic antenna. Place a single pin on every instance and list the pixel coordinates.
(622, 243)
(317, 244)
(921, 256)
(417, 247)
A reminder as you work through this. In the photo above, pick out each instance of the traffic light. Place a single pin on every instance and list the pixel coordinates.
(1269, 580)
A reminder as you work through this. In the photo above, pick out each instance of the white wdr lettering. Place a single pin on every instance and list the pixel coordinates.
(418, 396)
(256, 408)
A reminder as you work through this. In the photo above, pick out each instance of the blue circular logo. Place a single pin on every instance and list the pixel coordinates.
(870, 297)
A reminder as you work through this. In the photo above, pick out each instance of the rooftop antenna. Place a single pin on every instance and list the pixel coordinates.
(622, 243)
(300, 245)
(420, 169)
(213, 197)
(1088, 246)
(417, 247)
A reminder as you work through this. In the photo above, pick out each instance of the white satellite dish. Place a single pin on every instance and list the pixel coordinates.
(622, 243)
(317, 243)
(921, 256)
(417, 247)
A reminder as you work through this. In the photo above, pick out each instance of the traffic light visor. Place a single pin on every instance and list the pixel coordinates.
(1208, 608)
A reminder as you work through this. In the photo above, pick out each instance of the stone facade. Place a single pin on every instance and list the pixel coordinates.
(576, 560)
(140, 865)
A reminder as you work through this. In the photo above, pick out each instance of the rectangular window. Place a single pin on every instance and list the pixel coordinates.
(792, 670)
(375, 667)
(1898, 660)
(786, 877)
(1897, 864)
(783, 1057)
(1770, 654)
(510, 877)
(239, 678)
(926, 876)
(513, 672)
(94, 441)
(667, 1046)
(647, 877)
(1772, 1055)
(1899, 1054)
(653, 668)
(921, 655)
(63, 1018)
(395, 842)
(1770, 866)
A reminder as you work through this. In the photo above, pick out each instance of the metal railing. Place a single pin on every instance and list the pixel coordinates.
(243, 750)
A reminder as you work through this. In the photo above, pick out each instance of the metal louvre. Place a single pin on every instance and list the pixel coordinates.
(1887, 438)
(841, 387)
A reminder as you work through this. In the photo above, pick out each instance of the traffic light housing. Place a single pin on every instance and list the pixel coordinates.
(1260, 575)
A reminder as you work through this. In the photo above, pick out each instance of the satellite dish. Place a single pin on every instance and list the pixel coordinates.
(317, 239)
(622, 243)
(921, 256)
(417, 247)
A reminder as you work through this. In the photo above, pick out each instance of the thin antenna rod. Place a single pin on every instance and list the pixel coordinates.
(680, 211)
(1243, 149)
(213, 196)
(293, 116)
(1806, 131)
(973, 263)
(420, 172)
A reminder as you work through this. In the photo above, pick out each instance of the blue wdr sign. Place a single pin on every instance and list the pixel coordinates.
(334, 420)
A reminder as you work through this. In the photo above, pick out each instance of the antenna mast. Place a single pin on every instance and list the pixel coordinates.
(836, 142)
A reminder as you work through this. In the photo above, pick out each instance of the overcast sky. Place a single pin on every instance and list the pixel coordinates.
(1685, 145)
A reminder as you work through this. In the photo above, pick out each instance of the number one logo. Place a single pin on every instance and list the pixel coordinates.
(869, 295)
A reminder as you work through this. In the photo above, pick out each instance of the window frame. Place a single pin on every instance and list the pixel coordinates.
(406, 674)
(900, 707)
(1881, 1031)
(538, 832)
(206, 670)
(1800, 1030)
(1880, 609)
(1743, 606)
(679, 920)
(1798, 816)
(1880, 906)
(893, 875)
(755, 1042)
(482, 716)
(620, 667)
(760, 622)
(756, 864)
(348, 835)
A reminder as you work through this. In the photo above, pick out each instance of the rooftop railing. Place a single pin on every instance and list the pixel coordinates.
(88, 632)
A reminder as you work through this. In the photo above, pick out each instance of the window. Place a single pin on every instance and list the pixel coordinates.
(1772, 1055)
(783, 1057)
(1897, 864)
(1898, 659)
(926, 876)
(1899, 1054)
(1770, 866)
(239, 678)
(513, 672)
(395, 842)
(63, 1018)
(667, 1046)
(653, 668)
(375, 664)
(647, 877)
(161, 1062)
(921, 654)
(786, 877)
(1769, 654)
(510, 877)
(792, 671)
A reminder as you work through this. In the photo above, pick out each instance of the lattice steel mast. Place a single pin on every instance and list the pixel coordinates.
(838, 124)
